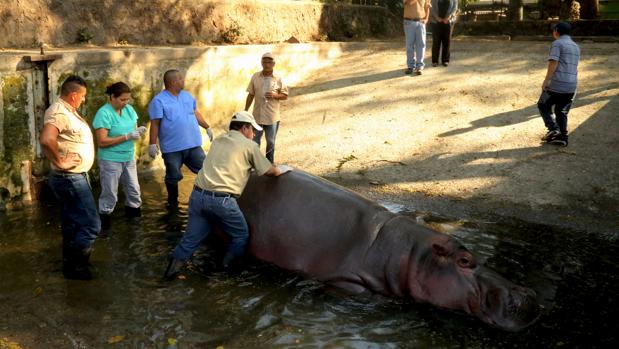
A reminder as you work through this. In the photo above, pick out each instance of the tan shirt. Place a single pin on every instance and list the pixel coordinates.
(228, 162)
(266, 110)
(74, 134)
(416, 9)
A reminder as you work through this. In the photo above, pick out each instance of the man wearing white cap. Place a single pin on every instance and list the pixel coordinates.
(265, 90)
(219, 183)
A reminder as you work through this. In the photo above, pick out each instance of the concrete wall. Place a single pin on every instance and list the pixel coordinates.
(216, 75)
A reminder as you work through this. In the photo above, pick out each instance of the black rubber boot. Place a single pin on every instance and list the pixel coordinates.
(106, 225)
(173, 269)
(172, 194)
(76, 264)
(132, 212)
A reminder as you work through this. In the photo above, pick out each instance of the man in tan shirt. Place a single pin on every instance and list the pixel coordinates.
(68, 144)
(219, 183)
(416, 14)
(266, 89)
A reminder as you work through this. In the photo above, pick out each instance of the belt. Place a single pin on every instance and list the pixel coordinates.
(66, 174)
(214, 193)
(412, 19)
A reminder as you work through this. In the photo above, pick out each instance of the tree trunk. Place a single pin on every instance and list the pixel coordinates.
(589, 9)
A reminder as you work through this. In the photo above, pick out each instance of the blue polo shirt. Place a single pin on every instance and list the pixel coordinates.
(179, 129)
(117, 125)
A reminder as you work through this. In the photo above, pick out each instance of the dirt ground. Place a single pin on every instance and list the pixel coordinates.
(462, 141)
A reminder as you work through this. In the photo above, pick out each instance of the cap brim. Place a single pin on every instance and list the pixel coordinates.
(256, 126)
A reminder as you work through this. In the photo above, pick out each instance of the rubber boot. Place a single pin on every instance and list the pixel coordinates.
(76, 265)
(106, 225)
(172, 194)
(132, 212)
(173, 269)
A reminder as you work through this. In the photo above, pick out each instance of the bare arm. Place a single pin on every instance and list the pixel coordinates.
(201, 121)
(49, 142)
(103, 141)
(248, 101)
(154, 131)
(273, 172)
(552, 67)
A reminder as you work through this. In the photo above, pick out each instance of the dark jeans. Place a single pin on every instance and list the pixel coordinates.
(562, 103)
(80, 219)
(441, 36)
(270, 132)
(192, 158)
(206, 211)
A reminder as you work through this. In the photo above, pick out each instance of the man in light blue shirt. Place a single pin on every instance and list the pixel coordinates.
(174, 121)
(559, 86)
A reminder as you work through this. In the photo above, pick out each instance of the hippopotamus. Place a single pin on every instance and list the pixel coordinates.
(307, 224)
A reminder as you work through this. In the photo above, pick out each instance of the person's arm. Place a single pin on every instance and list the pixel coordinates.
(552, 67)
(248, 101)
(49, 143)
(273, 171)
(103, 141)
(154, 131)
(427, 10)
(201, 121)
(276, 95)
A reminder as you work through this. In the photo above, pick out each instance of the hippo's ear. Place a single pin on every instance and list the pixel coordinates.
(439, 250)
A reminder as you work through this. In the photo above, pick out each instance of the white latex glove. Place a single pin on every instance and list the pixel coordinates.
(135, 134)
(284, 168)
(153, 150)
(209, 132)
(142, 130)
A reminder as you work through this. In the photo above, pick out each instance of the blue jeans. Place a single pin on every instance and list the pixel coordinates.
(562, 103)
(80, 219)
(205, 211)
(270, 132)
(415, 32)
(192, 158)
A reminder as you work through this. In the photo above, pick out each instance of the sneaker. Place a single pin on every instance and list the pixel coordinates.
(418, 71)
(550, 135)
(434, 64)
(445, 64)
(408, 71)
(560, 140)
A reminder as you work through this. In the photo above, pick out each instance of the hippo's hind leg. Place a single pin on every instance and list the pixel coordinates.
(347, 286)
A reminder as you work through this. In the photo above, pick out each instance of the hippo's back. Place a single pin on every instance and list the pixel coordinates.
(304, 223)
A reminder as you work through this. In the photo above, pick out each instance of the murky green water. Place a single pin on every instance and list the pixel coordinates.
(575, 274)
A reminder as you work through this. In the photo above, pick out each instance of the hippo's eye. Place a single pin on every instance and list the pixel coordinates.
(466, 261)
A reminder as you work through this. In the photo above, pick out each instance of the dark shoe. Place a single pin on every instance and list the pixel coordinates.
(172, 194)
(418, 71)
(445, 64)
(434, 64)
(173, 269)
(560, 140)
(132, 212)
(408, 71)
(550, 135)
(106, 225)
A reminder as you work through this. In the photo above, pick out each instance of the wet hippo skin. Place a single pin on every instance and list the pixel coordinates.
(304, 223)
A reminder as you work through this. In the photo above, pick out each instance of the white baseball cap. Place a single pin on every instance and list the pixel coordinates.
(243, 116)
(268, 55)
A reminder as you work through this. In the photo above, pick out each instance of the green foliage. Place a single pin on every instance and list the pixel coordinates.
(83, 36)
(231, 33)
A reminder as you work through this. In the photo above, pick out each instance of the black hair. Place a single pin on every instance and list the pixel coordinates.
(237, 125)
(168, 76)
(117, 89)
(72, 84)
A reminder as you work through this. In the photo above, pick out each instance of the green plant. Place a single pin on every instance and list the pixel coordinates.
(83, 35)
(231, 33)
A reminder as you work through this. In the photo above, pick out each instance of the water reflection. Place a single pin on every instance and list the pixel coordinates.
(575, 275)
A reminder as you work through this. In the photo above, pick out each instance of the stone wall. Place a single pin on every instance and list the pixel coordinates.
(534, 28)
(185, 22)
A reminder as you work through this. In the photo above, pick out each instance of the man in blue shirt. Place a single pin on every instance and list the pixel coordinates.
(559, 86)
(174, 121)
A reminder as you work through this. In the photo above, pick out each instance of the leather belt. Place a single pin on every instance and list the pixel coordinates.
(412, 19)
(214, 193)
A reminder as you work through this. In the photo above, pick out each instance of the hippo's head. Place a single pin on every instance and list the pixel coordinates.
(444, 273)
